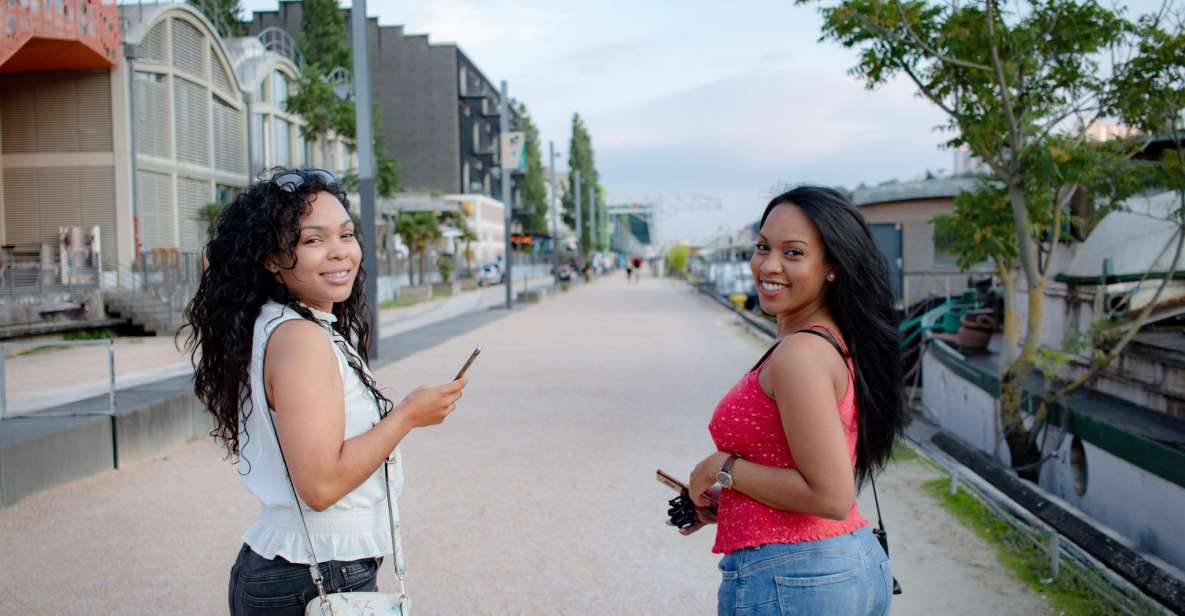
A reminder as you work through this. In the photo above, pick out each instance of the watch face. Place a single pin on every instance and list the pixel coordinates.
(724, 479)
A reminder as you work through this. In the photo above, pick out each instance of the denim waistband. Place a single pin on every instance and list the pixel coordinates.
(858, 545)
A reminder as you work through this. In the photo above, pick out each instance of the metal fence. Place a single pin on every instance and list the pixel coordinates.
(109, 343)
(32, 269)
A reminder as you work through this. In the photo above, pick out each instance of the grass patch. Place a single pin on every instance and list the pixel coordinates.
(89, 334)
(1068, 592)
(902, 453)
(404, 302)
(38, 350)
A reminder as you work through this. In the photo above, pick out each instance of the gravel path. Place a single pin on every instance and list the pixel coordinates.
(537, 497)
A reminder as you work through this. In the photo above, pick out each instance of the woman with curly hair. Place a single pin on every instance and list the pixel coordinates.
(278, 334)
(817, 415)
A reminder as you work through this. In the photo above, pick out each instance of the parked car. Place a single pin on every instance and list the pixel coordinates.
(490, 274)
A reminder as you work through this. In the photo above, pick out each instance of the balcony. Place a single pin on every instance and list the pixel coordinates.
(48, 35)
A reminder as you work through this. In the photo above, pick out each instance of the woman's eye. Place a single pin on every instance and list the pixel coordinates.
(762, 247)
(794, 252)
(312, 240)
(348, 235)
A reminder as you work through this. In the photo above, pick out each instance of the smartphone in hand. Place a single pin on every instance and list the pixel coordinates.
(468, 363)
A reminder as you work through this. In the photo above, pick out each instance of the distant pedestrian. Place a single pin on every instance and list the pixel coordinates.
(802, 430)
(279, 332)
(637, 263)
(629, 271)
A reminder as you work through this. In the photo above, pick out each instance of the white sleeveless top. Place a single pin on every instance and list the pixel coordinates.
(354, 527)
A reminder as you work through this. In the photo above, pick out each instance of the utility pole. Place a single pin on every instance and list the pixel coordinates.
(555, 222)
(579, 224)
(365, 145)
(507, 198)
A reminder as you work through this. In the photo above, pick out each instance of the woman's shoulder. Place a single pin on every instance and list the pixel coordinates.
(806, 352)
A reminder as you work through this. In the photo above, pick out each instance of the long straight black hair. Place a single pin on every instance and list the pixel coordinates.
(862, 305)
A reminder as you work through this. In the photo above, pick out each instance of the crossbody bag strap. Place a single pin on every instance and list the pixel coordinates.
(392, 507)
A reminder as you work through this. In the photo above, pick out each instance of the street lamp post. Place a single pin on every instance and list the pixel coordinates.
(555, 223)
(507, 198)
(365, 145)
(579, 224)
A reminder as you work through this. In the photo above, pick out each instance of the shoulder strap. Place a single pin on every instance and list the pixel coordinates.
(396, 536)
(826, 335)
(764, 357)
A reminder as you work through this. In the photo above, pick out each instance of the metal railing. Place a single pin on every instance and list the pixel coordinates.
(109, 343)
(1065, 556)
(170, 276)
(30, 270)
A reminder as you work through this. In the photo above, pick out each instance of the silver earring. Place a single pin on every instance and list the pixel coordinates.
(830, 277)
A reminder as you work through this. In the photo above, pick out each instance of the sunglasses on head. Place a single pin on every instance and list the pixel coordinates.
(291, 180)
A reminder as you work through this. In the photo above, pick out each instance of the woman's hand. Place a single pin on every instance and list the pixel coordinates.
(703, 477)
(428, 406)
(704, 515)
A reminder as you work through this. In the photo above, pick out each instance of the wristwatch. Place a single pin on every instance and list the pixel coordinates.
(724, 476)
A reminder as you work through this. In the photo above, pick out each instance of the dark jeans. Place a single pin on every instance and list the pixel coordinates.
(278, 588)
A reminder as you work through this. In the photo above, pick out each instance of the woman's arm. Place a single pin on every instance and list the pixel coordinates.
(304, 384)
(803, 371)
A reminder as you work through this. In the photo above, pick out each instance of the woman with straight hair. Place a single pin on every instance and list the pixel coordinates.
(815, 417)
(279, 337)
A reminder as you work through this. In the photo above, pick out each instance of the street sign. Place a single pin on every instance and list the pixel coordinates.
(514, 150)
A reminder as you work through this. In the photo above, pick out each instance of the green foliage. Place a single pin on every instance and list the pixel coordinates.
(224, 15)
(208, 215)
(325, 46)
(89, 334)
(1150, 88)
(677, 257)
(534, 187)
(1072, 591)
(580, 157)
(418, 230)
(323, 38)
(980, 228)
(444, 263)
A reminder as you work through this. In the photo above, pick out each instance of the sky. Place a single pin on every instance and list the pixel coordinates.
(727, 100)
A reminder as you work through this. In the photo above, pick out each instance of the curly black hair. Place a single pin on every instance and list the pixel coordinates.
(257, 225)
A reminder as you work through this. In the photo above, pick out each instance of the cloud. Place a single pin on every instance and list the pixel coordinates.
(744, 137)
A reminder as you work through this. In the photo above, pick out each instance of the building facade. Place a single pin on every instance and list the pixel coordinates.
(899, 215)
(58, 138)
(439, 111)
(187, 126)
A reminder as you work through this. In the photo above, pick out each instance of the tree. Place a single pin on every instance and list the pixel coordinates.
(418, 230)
(1019, 84)
(326, 47)
(580, 158)
(534, 184)
(224, 15)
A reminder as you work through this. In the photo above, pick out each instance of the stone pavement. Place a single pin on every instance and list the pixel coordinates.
(536, 497)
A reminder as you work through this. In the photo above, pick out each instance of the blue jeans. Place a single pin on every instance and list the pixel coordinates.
(844, 575)
(277, 587)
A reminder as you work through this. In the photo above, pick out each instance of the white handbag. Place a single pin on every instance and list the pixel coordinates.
(354, 603)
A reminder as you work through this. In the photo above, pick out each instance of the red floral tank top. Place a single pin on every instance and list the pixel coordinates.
(746, 422)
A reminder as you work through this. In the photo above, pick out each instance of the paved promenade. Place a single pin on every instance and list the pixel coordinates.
(536, 497)
(54, 376)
